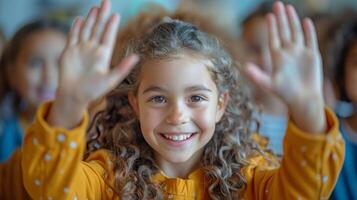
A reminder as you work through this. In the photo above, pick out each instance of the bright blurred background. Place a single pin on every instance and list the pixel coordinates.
(14, 13)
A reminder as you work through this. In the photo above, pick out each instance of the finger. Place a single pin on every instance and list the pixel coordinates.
(121, 71)
(88, 24)
(310, 34)
(259, 77)
(73, 35)
(101, 19)
(274, 40)
(283, 25)
(110, 31)
(295, 25)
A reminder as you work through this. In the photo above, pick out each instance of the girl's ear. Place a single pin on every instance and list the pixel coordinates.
(222, 104)
(133, 102)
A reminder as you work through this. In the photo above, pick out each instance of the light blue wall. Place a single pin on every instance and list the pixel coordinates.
(14, 13)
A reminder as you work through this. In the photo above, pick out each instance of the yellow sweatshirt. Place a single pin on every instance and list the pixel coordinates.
(55, 170)
(11, 183)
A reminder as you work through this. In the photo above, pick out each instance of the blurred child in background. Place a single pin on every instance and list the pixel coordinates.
(343, 58)
(254, 47)
(29, 69)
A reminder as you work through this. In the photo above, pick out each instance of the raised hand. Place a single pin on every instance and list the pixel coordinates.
(85, 74)
(296, 76)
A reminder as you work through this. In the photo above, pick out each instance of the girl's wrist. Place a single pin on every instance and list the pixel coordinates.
(309, 114)
(66, 113)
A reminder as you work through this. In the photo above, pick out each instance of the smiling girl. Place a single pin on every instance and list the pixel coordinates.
(178, 124)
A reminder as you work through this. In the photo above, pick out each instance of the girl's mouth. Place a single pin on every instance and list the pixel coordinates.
(177, 137)
(45, 95)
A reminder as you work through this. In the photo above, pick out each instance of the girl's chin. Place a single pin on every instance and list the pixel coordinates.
(178, 160)
(45, 98)
(46, 95)
(181, 157)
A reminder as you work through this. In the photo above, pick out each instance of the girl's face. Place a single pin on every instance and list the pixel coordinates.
(351, 73)
(35, 72)
(255, 41)
(178, 107)
(255, 48)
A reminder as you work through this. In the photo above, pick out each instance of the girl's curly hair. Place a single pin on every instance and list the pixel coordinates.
(342, 36)
(118, 130)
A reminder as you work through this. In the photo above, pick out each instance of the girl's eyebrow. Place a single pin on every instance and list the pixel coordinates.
(189, 89)
(153, 89)
(198, 88)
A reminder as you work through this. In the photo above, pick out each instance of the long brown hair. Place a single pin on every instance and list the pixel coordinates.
(342, 36)
(118, 130)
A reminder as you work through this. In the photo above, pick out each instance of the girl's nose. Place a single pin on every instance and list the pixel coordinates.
(177, 116)
(49, 74)
(265, 59)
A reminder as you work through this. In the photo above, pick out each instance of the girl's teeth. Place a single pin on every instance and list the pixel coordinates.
(177, 137)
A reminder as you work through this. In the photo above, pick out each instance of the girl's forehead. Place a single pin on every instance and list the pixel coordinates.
(44, 40)
(178, 64)
(180, 71)
(44, 32)
(185, 58)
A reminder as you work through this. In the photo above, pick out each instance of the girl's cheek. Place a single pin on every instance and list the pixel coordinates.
(204, 117)
(152, 116)
(31, 75)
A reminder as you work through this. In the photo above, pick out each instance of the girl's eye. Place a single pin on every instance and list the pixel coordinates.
(254, 49)
(35, 62)
(197, 98)
(158, 99)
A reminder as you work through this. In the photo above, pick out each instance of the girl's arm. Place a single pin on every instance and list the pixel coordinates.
(313, 148)
(53, 148)
(309, 167)
(297, 70)
(11, 184)
(52, 165)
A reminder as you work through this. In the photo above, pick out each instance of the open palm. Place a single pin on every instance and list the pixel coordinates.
(85, 74)
(296, 74)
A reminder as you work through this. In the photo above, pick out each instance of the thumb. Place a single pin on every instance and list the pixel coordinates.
(260, 78)
(119, 72)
